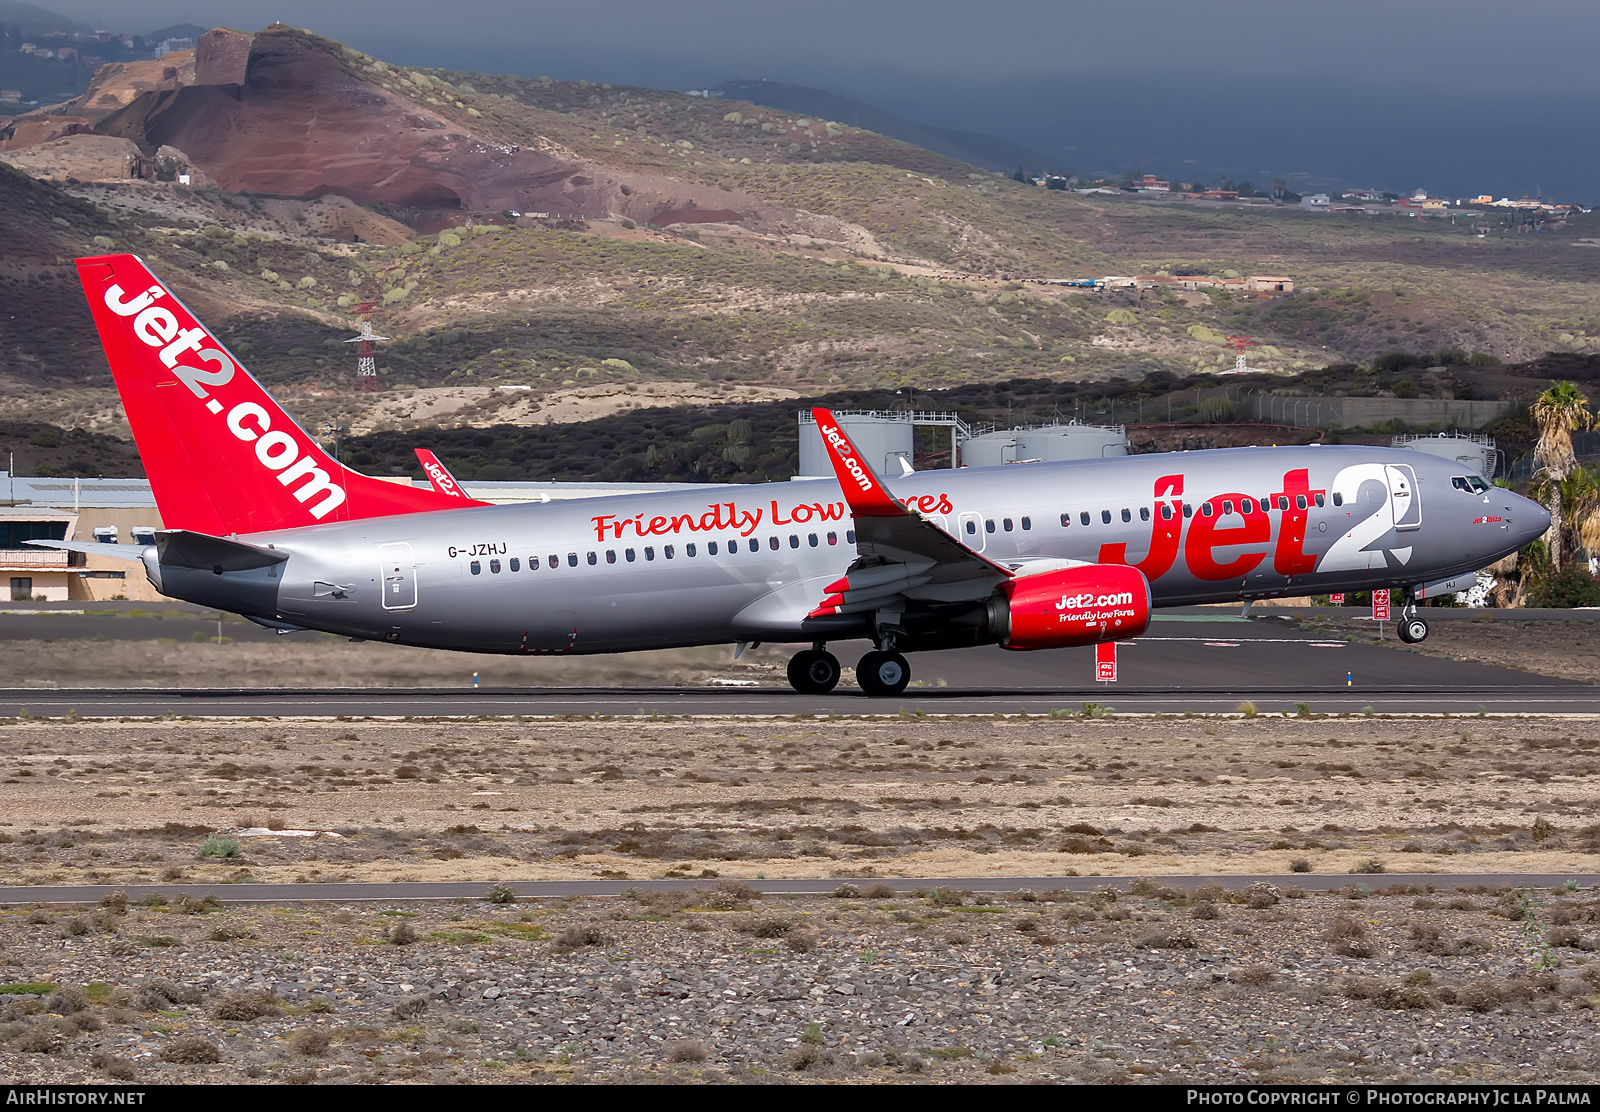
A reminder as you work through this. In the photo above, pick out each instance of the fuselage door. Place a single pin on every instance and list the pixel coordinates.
(1404, 496)
(971, 532)
(398, 570)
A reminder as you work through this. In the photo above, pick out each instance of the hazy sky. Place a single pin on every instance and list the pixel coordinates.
(1455, 96)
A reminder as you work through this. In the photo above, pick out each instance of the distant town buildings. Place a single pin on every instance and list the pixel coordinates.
(173, 46)
(1255, 283)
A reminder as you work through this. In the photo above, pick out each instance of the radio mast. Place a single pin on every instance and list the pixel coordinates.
(366, 365)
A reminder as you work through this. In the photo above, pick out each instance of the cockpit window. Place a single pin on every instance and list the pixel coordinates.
(1469, 483)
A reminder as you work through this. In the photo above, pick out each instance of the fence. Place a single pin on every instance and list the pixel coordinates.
(1360, 413)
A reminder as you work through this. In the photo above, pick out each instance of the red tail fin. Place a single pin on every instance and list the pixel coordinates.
(221, 454)
(444, 482)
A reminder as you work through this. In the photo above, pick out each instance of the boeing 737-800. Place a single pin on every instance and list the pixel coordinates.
(261, 522)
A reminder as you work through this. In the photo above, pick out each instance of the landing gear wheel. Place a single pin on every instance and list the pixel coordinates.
(881, 673)
(813, 672)
(1413, 630)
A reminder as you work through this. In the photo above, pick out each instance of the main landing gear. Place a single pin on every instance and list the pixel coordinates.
(1412, 628)
(880, 673)
(814, 671)
(883, 673)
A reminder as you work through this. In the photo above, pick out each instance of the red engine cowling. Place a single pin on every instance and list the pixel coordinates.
(1075, 606)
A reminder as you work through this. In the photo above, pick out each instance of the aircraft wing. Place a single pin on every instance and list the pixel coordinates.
(900, 554)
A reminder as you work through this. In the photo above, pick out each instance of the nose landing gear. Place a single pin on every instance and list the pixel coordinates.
(1413, 629)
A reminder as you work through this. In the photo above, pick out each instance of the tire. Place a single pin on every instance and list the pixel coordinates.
(813, 672)
(882, 674)
(1413, 630)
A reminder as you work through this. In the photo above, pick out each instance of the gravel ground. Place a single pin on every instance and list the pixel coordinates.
(1259, 985)
(1158, 984)
(131, 802)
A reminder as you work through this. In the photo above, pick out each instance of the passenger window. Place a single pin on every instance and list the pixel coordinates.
(1027, 524)
(1300, 501)
(833, 538)
(611, 555)
(555, 561)
(516, 564)
(972, 527)
(1105, 517)
(666, 550)
(533, 563)
(811, 539)
(794, 540)
(1319, 500)
(1066, 521)
(477, 568)
(1005, 523)
(1247, 506)
(772, 543)
(711, 548)
(1283, 502)
(1083, 517)
(572, 559)
(1144, 513)
(1126, 516)
(494, 567)
(988, 526)
(592, 560)
(628, 554)
(688, 550)
(1205, 508)
(1338, 499)
(649, 553)
(1166, 511)
(1227, 505)
(850, 536)
(1188, 510)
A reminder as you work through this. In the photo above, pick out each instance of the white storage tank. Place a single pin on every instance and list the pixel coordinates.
(1071, 441)
(1471, 450)
(883, 439)
(991, 449)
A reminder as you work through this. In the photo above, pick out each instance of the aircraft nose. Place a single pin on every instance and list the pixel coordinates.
(1530, 520)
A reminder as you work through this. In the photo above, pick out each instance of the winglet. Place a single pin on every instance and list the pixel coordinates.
(444, 482)
(863, 490)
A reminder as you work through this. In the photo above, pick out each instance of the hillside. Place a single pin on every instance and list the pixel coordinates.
(576, 239)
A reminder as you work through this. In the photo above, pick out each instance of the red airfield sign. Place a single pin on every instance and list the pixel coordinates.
(1380, 606)
(1105, 662)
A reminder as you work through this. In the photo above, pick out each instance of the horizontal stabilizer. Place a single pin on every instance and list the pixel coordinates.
(96, 548)
(180, 548)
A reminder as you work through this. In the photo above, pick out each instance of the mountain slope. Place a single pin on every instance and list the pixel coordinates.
(671, 247)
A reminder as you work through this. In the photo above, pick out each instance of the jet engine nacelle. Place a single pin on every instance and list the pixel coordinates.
(1072, 606)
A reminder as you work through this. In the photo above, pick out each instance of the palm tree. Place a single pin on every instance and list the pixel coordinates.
(1580, 500)
(1559, 412)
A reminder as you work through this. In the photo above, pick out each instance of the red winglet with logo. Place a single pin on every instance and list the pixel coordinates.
(222, 456)
(862, 487)
(902, 554)
(444, 482)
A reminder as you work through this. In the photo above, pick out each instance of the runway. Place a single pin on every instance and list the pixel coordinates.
(556, 889)
(1549, 698)
(1200, 661)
